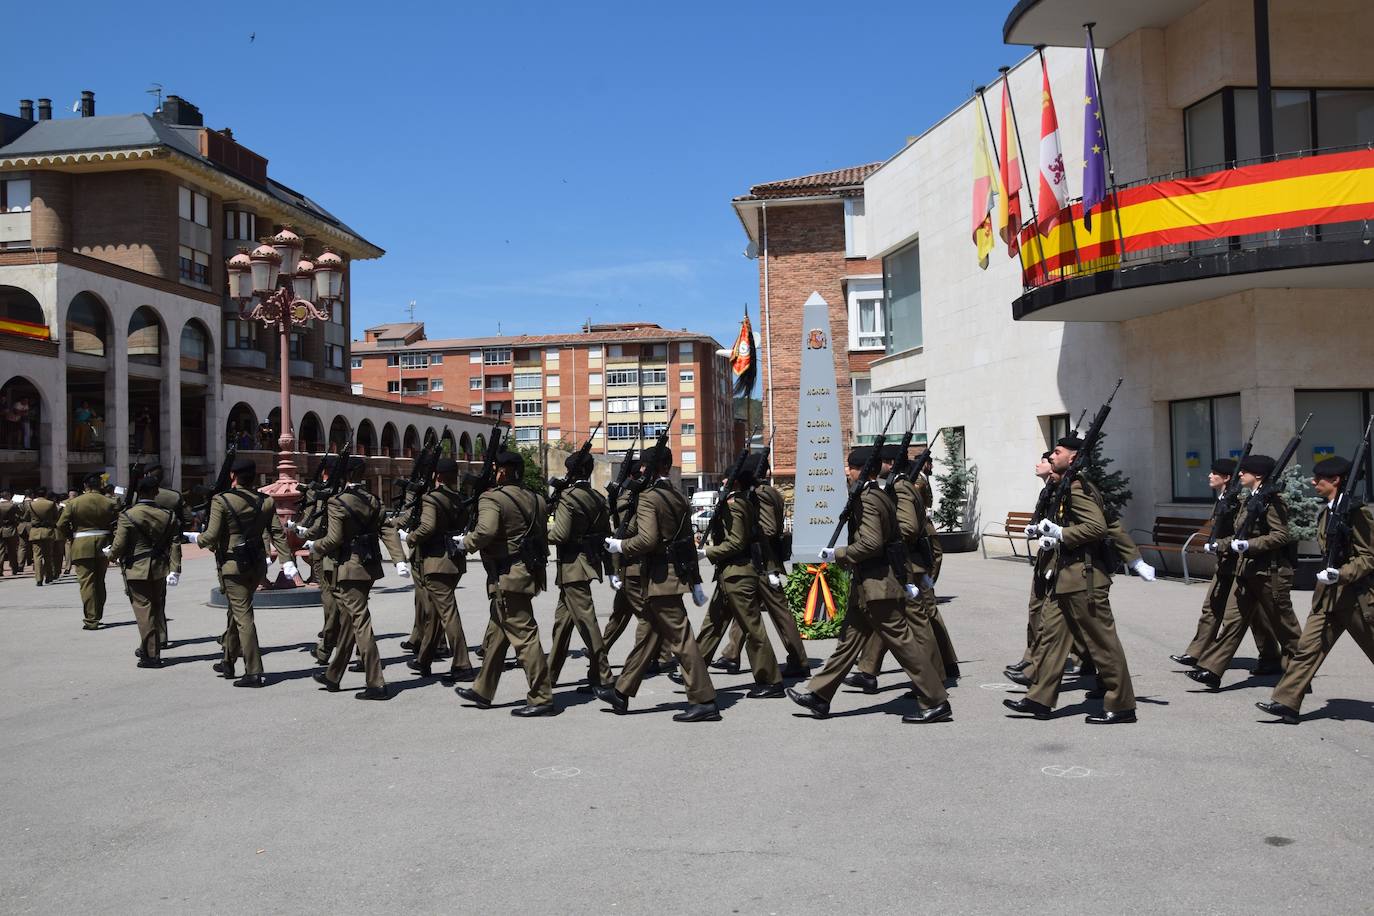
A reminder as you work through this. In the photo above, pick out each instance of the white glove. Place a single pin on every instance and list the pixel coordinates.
(1047, 542)
(1143, 570)
(926, 581)
(120, 491)
(827, 554)
(613, 545)
(192, 537)
(18, 500)
(1328, 576)
(291, 525)
(107, 551)
(403, 534)
(1240, 546)
(290, 569)
(698, 595)
(403, 569)
(1048, 527)
(701, 553)
(173, 579)
(616, 583)
(1032, 531)
(775, 580)
(912, 591)
(1210, 547)
(462, 541)
(309, 546)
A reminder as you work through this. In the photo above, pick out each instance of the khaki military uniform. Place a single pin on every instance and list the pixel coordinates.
(351, 539)
(736, 595)
(1080, 607)
(87, 522)
(9, 536)
(234, 533)
(772, 516)
(142, 547)
(25, 545)
(324, 570)
(662, 517)
(506, 515)
(1347, 606)
(877, 601)
(437, 565)
(937, 555)
(1262, 572)
(581, 523)
(42, 516)
(1218, 602)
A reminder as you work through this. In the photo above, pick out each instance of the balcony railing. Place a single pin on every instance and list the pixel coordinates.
(872, 410)
(1307, 197)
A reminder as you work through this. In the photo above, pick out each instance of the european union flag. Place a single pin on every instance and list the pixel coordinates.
(1094, 142)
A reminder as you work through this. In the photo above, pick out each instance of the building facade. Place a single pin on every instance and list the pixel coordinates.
(557, 387)
(808, 234)
(117, 337)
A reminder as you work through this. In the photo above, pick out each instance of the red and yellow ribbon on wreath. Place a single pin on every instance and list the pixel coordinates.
(820, 589)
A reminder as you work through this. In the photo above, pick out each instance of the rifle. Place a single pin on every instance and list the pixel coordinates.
(638, 487)
(1338, 516)
(716, 527)
(615, 486)
(1080, 460)
(1230, 494)
(1258, 503)
(483, 482)
(559, 484)
(135, 475)
(923, 459)
(422, 478)
(870, 468)
(899, 463)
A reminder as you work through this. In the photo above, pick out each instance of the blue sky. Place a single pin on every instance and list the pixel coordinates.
(533, 164)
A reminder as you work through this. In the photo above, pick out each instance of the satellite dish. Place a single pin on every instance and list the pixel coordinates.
(752, 251)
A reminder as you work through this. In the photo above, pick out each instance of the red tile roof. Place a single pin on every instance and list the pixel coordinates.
(816, 184)
(648, 333)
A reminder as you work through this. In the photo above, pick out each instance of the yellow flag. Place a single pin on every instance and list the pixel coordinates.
(984, 195)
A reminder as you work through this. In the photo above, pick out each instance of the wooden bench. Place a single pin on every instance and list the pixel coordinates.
(1013, 530)
(1176, 534)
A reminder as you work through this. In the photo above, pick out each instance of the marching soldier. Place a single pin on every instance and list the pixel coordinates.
(171, 499)
(437, 565)
(581, 523)
(937, 554)
(663, 546)
(772, 509)
(511, 534)
(1342, 601)
(351, 539)
(876, 600)
(22, 532)
(87, 522)
(1079, 605)
(9, 532)
(736, 594)
(1264, 566)
(42, 515)
(142, 547)
(324, 569)
(59, 542)
(234, 533)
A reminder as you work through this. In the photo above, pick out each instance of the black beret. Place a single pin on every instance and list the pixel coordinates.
(860, 455)
(1335, 466)
(755, 465)
(245, 466)
(356, 463)
(892, 451)
(91, 480)
(148, 485)
(446, 466)
(1045, 456)
(1073, 443)
(579, 463)
(153, 468)
(655, 457)
(1225, 466)
(1259, 465)
(510, 460)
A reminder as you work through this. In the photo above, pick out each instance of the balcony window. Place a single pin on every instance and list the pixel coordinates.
(1201, 431)
(655, 405)
(871, 411)
(654, 430)
(655, 376)
(528, 382)
(498, 356)
(615, 351)
(529, 408)
(902, 289)
(414, 360)
(15, 196)
(1224, 127)
(528, 434)
(622, 378)
(621, 430)
(622, 405)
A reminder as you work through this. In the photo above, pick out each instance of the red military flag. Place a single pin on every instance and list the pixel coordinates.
(1054, 185)
(1009, 181)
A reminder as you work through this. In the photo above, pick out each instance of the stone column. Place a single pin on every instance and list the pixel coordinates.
(117, 418)
(169, 411)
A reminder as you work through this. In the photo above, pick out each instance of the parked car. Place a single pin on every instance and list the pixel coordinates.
(701, 520)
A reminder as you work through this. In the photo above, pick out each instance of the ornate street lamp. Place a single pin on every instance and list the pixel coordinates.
(276, 286)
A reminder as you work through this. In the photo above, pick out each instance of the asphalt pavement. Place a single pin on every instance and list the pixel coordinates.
(170, 791)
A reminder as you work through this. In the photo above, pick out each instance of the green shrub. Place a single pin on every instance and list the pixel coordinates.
(1303, 505)
(798, 586)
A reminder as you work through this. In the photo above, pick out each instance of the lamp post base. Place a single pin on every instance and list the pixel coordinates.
(286, 496)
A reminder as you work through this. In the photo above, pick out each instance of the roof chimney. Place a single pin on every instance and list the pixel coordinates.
(45, 109)
(178, 111)
(87, 103)
(26, 109)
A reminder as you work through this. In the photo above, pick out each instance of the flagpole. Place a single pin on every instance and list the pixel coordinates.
(1025, 171)
(992, 137)
(1106, 145)
(1073, 230)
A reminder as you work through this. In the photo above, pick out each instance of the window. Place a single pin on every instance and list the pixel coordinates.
(615, 351)
(16, 196)
(658, 351)
(297, 348)
(414, 360)
(689, 429)
(193, 206)
(655, 404)
(475, 408)
(333, 356)
(1224, 127)
(684, 350)
(654, 430)
(499, 356)
(902, 291)
(594, 379)
(551, 382)
(240, 225)
(1059, 428)
(415, 386)
(689, 457)
(621, 430)
(1201, 431)
(553, 408)
(528, 381)
(436, 384)
(554, 435)
(867, 324)
(594, 406)
(436, 359)
(240, 334)
(687, 404)
(393, 387)
(622, 378)
(195, 355)
(1338, 419)
(687, 377)
(622, 405)
(529, 408)
(551, 356)
(655, 376)
(474, 356)
(526, 433)
(594, 352)
(855, 228)
(498, 383)
(393, 360)
(356, 362)
(195, 266)
(474, 383)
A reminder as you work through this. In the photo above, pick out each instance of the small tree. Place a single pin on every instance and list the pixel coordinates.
(1113, 485)
(1303, 506)
(534, 469)
(955, 484)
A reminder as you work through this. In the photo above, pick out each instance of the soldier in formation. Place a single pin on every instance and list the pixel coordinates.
(581, 524)
(437, 564)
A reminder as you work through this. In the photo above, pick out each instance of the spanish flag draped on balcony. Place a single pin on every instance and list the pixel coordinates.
(984, 195)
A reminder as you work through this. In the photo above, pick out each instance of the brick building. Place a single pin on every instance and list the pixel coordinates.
(557, 387)
(807, 234)
(117, 337)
